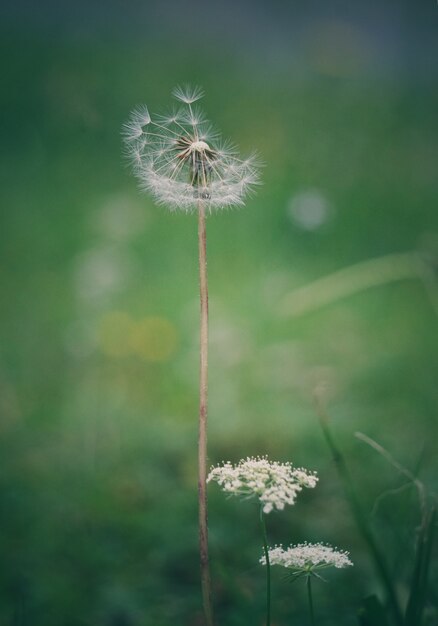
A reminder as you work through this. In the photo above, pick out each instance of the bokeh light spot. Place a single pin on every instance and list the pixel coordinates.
(120, 218)
(153, 339)
(309, 209)
(100, 272)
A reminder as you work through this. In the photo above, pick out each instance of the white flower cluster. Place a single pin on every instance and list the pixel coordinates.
(307, 556)
(274, 484)
(180, 160)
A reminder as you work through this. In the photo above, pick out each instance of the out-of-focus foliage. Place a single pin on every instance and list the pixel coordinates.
(99, 315)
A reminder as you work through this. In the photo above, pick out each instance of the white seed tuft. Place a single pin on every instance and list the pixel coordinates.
(188, 94)
(180, 160)
(133, 129)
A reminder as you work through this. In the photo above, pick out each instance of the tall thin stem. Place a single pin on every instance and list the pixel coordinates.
(202, 434)
(310, 598)
(268, 567)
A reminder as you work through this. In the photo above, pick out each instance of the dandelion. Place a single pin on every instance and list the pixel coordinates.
(181, 160)
(184, 164)
(273, 484)
(306, 560)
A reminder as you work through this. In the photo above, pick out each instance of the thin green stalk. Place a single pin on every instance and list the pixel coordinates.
(360, 518)
(360, 277)
(419, 585)
(202, 436)
(268, 567)
(310, 598)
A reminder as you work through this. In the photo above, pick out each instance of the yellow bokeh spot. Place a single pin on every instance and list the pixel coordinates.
(153, 339)
(115, 331)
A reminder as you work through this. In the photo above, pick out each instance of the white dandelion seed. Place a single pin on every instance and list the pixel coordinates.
(188, 94)
(274, 484)
(180, 159)
(306, 557)
(133, 129)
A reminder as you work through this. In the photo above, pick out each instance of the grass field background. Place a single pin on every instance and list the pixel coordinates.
(99, 316)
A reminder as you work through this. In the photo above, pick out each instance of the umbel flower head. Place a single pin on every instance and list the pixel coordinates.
(274, 484)
(181, 160)
(305, 558)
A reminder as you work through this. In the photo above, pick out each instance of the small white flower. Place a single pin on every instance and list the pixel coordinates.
(179, 159)
(306, 557)
(274, 484)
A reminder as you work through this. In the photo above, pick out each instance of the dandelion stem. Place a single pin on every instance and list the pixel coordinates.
(268, 567)
(202, 437)
(310, 598)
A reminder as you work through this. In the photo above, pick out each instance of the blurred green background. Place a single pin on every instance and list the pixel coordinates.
(99, 315)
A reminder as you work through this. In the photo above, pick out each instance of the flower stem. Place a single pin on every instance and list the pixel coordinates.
(309, 595)
(202, 435)
(268, 567)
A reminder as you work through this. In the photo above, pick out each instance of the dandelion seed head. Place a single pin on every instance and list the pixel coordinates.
(180, 159)
(199, 146)
(274, 484)
(305, 557)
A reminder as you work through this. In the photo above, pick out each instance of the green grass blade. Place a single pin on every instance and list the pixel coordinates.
(417, 597)
(361, 520)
